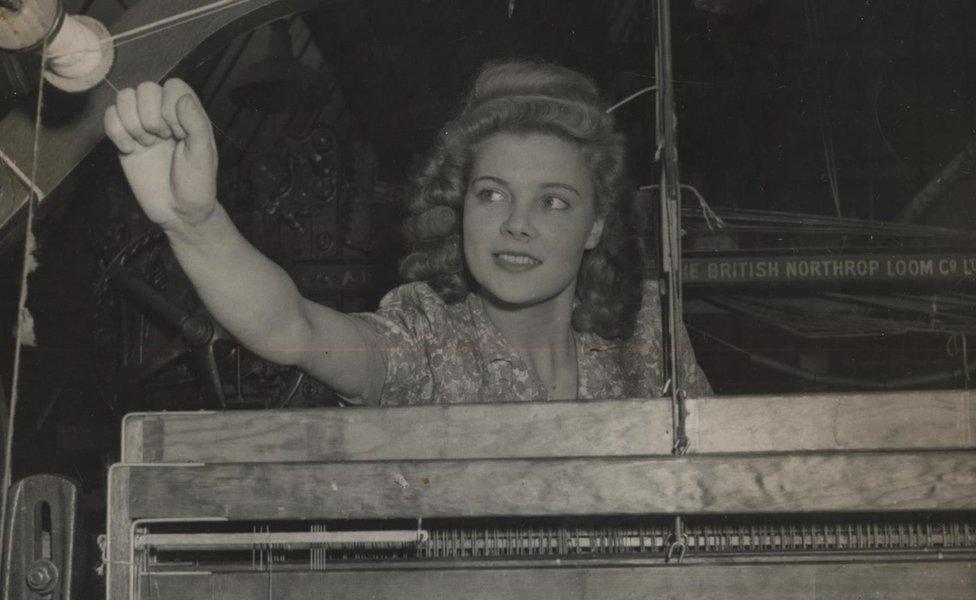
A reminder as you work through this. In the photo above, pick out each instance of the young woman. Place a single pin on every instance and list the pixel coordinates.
(526, 284)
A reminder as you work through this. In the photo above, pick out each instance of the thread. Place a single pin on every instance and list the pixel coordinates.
(74, 50)
(27, 266)
(160, 25)
(82, 61)
(31, 186)
(633, 96)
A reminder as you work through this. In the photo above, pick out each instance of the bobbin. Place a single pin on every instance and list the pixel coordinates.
(80, 50)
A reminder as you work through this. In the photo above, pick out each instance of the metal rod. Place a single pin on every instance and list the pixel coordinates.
(937, 188)
(293, 539)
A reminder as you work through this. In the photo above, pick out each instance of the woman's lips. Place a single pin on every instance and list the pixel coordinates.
(515, 262)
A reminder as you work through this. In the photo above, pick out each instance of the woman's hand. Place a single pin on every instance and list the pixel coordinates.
(167, 151)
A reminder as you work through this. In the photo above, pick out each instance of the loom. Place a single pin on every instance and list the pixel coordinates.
(819, 496)
(830, 496)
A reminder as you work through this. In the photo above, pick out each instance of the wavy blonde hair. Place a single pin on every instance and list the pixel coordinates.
(522, 96)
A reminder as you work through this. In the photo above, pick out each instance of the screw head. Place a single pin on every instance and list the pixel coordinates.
(42, 576)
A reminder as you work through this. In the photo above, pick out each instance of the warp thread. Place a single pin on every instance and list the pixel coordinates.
(158, 26)
(25, 323)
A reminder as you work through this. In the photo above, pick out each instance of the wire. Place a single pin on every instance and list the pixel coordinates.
(631, 97)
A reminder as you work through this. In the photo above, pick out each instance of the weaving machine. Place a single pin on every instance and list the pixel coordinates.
(839, 496)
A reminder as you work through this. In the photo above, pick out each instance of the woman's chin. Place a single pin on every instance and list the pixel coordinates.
(511, 297)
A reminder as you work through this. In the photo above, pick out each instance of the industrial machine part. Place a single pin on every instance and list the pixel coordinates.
(818, 496)
(40, 549)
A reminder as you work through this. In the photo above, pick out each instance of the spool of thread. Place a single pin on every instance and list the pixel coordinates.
(81, 54)
(80, 48)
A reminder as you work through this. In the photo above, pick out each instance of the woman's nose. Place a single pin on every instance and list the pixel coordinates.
(519, 223)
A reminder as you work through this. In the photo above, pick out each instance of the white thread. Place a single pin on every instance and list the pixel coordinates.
(707, 212)
(137, 33)
(86, 53)
(630, 97)
(27, 267)
(712, 219)
(21, 175)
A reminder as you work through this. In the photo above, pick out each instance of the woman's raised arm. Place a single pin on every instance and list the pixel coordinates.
(167, 151)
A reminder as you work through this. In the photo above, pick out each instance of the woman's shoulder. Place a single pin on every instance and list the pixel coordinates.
(415, 294)
(418, 304)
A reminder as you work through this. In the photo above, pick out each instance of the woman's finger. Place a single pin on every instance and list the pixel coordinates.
(173, 90)
(194, 120)
(128, 112)
(149, 101)
(116, 131)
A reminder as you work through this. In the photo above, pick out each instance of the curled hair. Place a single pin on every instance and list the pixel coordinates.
(522, 96)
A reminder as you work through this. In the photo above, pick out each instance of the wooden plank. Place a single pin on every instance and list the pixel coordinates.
(915, 420)
(929, 580)
(551, 429)
(870, 421)
(895, 481)
(119, 520)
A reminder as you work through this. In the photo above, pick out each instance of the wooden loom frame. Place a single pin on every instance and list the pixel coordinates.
(833, 453)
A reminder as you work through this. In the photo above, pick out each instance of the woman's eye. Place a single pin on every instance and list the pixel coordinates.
(555, 203)
(490, 195)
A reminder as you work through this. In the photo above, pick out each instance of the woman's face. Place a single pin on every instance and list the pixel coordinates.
(529, 213)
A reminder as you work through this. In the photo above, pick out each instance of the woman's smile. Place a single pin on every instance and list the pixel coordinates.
(516, 262)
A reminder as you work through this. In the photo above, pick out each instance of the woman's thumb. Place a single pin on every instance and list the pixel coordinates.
(194, 120)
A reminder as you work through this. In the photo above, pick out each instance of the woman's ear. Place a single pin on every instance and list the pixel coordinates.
(596, 232)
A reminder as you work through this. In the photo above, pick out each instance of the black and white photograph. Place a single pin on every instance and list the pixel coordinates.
(487, 299)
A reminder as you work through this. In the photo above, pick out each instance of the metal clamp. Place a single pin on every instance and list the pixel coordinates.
(678, 543)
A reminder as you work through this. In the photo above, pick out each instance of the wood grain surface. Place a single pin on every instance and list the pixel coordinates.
(927, 580)
(621, 427)
(876, 421)
(902, 420)
(874, 481)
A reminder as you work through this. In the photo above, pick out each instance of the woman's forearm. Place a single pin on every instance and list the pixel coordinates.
(253, 298)
(259, 304)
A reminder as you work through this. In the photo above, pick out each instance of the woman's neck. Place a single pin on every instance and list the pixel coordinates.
(543, 334)
(542, 326)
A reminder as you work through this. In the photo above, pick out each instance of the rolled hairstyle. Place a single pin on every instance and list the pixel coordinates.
(520, 96)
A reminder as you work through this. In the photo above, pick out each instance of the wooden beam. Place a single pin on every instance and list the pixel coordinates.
(870, 421)
(523, 430)
(472, 431)
(927, 580)
(810, 482)
(891, 421)
(117, 578)
(451, 431)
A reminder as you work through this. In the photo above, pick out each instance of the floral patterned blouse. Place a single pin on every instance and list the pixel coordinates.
(439, 353)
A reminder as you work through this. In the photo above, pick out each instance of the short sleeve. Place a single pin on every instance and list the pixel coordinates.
(401, 334)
